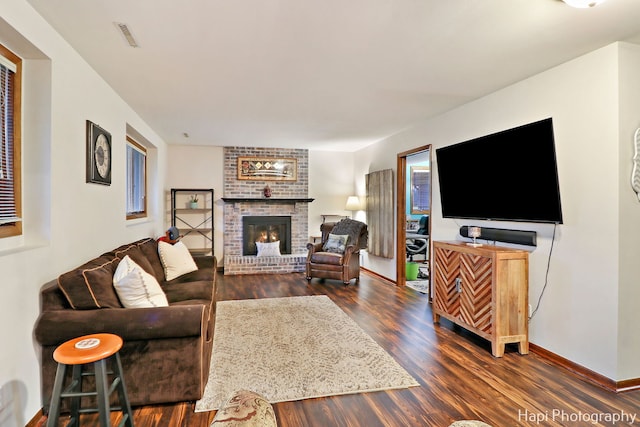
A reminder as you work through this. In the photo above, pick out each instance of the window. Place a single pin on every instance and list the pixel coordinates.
(10, 125)
(136, 180)
(420, 189)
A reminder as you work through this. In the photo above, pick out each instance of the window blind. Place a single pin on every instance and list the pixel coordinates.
(136, 177)
(8, 212)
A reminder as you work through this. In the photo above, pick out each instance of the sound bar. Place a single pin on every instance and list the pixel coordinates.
(518, 237)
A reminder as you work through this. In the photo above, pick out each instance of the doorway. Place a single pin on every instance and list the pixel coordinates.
(413, 213)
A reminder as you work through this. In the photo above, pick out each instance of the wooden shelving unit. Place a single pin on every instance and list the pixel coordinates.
(195, 224)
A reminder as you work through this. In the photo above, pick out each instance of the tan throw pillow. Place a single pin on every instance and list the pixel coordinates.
(336, 243)
(176, 260)
(137, 288)
(268, 249)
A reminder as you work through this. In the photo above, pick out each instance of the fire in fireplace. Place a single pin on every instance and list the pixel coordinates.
(265, 229)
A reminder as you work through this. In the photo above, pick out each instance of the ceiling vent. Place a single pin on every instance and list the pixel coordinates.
(124, 30)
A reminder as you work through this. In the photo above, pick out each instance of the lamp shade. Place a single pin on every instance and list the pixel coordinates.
(353, 204)
(583, 3)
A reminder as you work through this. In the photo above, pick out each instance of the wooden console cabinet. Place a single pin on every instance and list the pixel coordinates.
(484, 289)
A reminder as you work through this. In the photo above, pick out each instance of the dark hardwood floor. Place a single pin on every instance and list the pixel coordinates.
(459, 379)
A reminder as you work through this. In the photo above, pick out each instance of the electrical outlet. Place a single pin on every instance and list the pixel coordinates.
(530, 309)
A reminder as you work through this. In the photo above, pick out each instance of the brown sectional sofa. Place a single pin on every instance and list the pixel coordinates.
(167, 350)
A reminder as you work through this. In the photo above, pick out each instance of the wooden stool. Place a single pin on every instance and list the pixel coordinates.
(96, 349)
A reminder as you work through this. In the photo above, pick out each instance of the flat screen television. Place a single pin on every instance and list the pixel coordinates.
(506, 176)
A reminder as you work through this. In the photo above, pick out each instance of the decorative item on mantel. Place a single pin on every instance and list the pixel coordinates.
(267, 191)
(193, 203)
(267, 169)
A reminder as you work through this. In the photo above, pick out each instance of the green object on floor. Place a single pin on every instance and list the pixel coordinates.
(412, 270)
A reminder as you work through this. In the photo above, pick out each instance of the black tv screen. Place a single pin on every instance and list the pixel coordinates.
(508, 176)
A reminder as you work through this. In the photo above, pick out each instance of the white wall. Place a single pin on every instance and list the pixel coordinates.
(331, 181)
(582, 316)
(66, 220)
(199, 167)
(380, 156)
(629, 228)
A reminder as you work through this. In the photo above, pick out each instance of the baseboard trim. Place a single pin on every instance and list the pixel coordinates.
(38, 420)
(587, 374)
(378, 276)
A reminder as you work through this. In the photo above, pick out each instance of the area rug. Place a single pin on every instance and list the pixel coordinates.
(294, 348)
(419, 285)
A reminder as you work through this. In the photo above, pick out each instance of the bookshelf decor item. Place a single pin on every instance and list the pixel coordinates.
(267, 169)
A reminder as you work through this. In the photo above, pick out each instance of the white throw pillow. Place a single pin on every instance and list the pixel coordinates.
(268, 249)
(176, 260)
(137, 288)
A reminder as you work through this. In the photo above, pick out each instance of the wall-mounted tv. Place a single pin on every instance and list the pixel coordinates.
(507, 176)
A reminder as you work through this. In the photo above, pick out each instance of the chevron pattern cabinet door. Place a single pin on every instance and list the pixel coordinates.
(446, 270)
(475, 306)
(483, 289)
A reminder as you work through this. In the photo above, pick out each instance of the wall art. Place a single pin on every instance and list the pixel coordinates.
(267, 169)
(98, 154)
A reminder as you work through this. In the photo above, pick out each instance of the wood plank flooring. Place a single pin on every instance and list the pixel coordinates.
(459, 379)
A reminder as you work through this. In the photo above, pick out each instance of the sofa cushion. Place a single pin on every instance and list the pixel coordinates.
(175, 259)
(90, 286)
(150, 249)
(134, 252)
(204, 274)
(144, 252)
(186, 291)
(136, 287)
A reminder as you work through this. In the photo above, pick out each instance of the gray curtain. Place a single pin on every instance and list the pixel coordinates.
(380, 213)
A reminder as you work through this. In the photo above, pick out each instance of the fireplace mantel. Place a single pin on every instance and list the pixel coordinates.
(264, 200)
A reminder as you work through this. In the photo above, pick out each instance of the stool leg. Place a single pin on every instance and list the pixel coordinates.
(54, 404)
(102, 389)
(75, 402)
(122, 392)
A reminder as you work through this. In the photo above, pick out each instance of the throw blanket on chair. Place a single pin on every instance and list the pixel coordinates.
(356, 231)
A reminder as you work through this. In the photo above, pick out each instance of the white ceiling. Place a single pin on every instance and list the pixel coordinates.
(322, 74)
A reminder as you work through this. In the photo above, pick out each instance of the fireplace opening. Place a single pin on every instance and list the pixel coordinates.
(265, 229)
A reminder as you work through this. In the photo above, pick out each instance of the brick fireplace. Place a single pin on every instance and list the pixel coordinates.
(266, 229)
(246, 199)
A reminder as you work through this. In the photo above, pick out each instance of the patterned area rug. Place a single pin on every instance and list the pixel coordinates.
(294, 348)
(419, 285)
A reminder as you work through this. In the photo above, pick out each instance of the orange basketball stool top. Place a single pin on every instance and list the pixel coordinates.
(69, 354)
(78, 353)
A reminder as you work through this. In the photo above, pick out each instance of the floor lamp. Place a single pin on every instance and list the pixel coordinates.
(353, 204)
